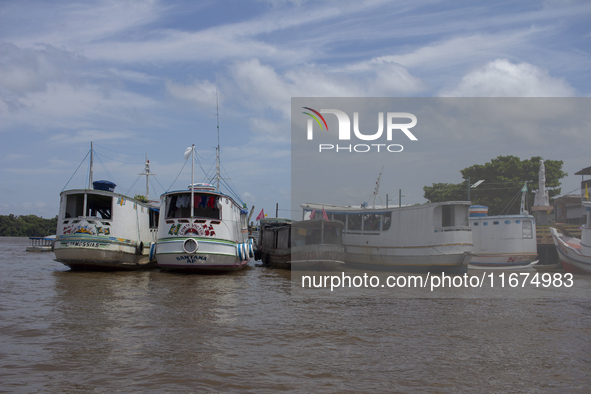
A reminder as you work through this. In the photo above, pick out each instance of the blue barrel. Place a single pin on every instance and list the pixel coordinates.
(107, 186)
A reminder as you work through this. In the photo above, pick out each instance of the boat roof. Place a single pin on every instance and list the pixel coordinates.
(349, 208)
(275, 220)
(48, 237)
(151, 204)
(584, 171)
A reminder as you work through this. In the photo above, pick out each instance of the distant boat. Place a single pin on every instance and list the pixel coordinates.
(503, 241)
(575, 253)
(99, 229)
(41, 244)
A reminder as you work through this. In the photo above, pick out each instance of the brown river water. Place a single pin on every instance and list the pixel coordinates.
(153, 331)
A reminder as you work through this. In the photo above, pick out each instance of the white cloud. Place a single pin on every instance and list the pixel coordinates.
(199, 93)
(501, 78)
(261, 87)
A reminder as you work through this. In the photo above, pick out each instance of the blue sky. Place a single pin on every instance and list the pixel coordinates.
(141, 77)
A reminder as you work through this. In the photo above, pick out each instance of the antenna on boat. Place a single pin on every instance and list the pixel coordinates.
(147, 174)
(192, 179)
(91, 164)
(377, 189)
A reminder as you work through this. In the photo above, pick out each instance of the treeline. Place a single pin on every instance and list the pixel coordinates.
(26, 226)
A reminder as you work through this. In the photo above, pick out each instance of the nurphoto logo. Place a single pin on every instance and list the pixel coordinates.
(344, 130)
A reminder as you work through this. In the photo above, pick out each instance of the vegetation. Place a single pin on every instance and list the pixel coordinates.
(504, 178)
(140, 197)
(26, 226)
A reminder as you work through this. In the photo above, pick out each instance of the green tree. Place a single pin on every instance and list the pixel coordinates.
(504, 178)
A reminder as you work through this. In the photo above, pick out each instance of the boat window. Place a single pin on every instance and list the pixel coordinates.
(507, 222)
(205, 205)
(341, 217)
(332, 233)
(74, 205)
(354, 221)
(475, 224)
(527, 229)
(371, 222)
(386, 220)
(447, 216)
(496, 222)
(99, 206)
(154, 217)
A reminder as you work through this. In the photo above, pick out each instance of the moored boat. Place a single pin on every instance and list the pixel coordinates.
(317, 245)
(99, 229)
(503, 241)
(575, 253)
(202, 229)
(432, 237)
(41, 244)
(274, 243)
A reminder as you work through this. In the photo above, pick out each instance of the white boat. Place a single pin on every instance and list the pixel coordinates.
(431, 237)
(575, 253)
(100, 229)
(503, 241)
(41, 244)
(202, 230)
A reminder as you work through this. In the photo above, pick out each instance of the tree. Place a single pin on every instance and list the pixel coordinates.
(504, 178)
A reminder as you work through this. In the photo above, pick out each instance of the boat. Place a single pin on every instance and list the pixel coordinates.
(202, 229)
(99, 229)
(503, 241)
(433, 237)
(274, 243)
(41, 244)
(317, 244)
(575, 253)
(302, 245)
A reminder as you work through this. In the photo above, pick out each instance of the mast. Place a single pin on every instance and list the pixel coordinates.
(91, 164)
(217, 157)
(147, 174)
(192, 179)
(523, 195)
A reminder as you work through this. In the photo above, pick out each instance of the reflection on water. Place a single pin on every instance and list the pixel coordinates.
(63, 331)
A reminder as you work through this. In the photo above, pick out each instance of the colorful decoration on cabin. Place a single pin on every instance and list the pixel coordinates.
(121, 201)
(174, 229)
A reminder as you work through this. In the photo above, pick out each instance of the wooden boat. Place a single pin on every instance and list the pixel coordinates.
(503, 241)
(41, 244)
(274, 243)
(317, 245)
(99, 229)
(432, 237)
(202, 229)
(575, 253)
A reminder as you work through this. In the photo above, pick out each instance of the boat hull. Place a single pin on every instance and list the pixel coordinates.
(317, 257)
(569, 253)
(448, 262)
(503, 260)
(211, 255)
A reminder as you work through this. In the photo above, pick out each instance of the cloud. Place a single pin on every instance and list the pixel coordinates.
(199, 93)
(260, 86)
(501, 78)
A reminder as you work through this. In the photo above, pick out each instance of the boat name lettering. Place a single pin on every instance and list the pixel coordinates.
(191, 259)
(83, 244)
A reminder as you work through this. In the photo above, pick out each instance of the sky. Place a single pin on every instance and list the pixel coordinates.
(150, 78)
